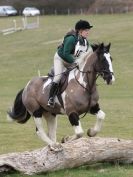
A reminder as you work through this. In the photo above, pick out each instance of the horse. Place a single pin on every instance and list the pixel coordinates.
(80, 96)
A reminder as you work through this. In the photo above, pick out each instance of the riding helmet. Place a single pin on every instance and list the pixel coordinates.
(82, 24)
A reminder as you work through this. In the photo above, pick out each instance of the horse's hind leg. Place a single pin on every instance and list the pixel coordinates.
(52, 126)
(39, 126)
(51, 120)
(100, 115)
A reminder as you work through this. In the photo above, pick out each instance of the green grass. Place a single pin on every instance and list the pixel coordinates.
(23, 53)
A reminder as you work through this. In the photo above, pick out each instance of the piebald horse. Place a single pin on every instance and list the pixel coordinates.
(80, 96)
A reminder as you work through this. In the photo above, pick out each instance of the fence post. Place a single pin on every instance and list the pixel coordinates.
(55, 12)
(111, 9)
(96, 10)
(68, 11)
(81, 11)
(126, 9)
(15, 24)
(43, 11)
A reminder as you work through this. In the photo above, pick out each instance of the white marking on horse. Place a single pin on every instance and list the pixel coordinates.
(81, 81)
(78, 129)
(64, 95)
(27, 84)
(75, 72)
(107, 56)
(71, 90)
(41, 133)
(100, 114)
(100, 117)
(46, 83)
(51, 124)
(71, 75)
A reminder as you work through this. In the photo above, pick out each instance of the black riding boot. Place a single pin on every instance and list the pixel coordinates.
(52, 94)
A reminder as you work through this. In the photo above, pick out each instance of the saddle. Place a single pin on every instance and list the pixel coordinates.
(63, 82)
(64, 78)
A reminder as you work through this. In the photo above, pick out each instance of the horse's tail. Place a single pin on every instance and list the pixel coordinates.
(18, 111)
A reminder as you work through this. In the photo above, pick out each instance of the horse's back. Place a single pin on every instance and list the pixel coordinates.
(35, 84)
(33, 92)
(36, 94)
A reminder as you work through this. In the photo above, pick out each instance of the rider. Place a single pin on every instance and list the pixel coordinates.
(67, 52)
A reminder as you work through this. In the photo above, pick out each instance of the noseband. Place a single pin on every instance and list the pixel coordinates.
(102, 72)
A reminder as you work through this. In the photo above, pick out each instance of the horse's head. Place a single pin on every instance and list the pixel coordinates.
(104, 64)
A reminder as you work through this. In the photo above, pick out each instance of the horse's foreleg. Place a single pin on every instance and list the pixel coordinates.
(100, 115)
(52, 125)
(75, 122)
(40, 130)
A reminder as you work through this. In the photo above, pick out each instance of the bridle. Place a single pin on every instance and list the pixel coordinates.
(98, 73)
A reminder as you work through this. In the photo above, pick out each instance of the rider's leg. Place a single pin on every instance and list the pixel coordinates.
(52, 94)
(58, 69)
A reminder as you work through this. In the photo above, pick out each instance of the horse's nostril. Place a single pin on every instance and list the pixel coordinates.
(110, 77)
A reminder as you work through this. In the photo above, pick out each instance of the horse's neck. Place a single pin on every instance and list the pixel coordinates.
(86, 61)
(86, 79)
(89, 75)
(83, 58)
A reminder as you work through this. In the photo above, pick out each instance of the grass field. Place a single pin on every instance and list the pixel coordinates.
(22, 54)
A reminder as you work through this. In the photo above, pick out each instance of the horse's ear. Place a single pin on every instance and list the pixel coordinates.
(102, 46)
(94, 46)
(108, 47)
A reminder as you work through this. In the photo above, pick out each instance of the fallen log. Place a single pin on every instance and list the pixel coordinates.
(83, 151)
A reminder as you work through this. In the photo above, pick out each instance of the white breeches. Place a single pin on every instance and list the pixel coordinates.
(59, 67)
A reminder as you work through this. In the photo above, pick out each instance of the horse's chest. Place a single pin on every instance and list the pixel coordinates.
(78, 98)
(75, 98)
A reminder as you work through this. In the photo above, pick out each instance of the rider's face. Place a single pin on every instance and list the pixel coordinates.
(84, 33)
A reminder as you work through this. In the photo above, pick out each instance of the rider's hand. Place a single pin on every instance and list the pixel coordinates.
(73, 65)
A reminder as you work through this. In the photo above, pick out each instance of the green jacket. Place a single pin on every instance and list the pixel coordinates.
(67, 49)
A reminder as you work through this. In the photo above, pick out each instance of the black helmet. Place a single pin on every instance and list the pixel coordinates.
(82, 24)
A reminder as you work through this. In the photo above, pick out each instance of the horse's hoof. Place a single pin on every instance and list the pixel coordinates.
(91, 132)
(57, 147)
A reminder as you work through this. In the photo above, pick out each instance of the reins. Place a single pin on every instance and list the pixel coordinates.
(90, 87)
(67, 71)
(89, 90)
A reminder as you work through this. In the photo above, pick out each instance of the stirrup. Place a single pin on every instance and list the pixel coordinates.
(51, 102)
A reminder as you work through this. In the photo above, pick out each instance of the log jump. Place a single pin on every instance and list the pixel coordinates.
(83, 151)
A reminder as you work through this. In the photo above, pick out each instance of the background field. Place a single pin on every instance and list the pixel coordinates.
(23, 53)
